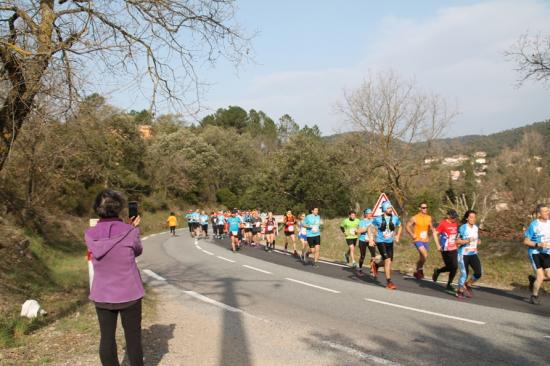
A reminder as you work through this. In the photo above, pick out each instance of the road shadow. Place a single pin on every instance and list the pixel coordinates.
(430, 345)
(234, 343)
(155, 343)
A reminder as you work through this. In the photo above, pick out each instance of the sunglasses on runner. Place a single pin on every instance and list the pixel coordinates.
(423, 207)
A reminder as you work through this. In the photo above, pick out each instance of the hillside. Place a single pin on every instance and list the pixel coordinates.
(492, 144)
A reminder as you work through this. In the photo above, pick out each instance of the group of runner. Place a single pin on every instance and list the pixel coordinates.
(456, 240)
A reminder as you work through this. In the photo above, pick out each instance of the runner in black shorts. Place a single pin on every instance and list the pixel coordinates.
(389, 230)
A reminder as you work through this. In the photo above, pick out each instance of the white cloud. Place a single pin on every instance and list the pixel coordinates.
(458, 53)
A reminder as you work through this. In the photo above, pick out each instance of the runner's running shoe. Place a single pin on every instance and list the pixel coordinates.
(417, 275)
(468, 289)
(534, 300)
(391, 285)
(373, 269)
(346, 257)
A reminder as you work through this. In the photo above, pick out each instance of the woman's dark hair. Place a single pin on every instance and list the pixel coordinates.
(539, 208)
(466, 215)
(171, 214)
(313, 208)
(108, 204)
(351, 212)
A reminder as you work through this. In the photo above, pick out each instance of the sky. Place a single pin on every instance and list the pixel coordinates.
(307, 53)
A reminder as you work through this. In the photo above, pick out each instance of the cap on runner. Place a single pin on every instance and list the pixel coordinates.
(386, 205)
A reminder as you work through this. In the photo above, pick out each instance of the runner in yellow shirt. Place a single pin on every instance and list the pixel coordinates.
(172, 222)
(418, 227)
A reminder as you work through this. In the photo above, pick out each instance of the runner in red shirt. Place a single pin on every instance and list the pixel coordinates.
(445, 239)
(289, 228)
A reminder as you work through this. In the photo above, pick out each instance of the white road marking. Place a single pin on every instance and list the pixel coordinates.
(427, 312)
(225, 259)
(546, 336)
(207, 252)
(360, 354)
(150, 273)
(311, 285)
(145, 238)
(334, 264)
(256, 269)
(208, 300)
(198, 247)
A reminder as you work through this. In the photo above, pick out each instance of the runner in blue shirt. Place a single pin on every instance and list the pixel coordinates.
(389, 229)
(234, 227)
(312, 223)
(468, 241)
(537, 239)
(204, 223)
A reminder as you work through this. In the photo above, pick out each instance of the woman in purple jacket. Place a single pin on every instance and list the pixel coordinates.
(117, 286)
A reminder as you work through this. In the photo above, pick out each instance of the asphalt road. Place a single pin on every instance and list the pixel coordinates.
(275, 311)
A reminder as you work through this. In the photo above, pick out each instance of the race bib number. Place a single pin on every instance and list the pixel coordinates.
(269, 228)
(352, 231)
(257, 224)
(452, 239)
(388, 234)
(303, 231)
(423, 235)
(472, 247)
(545, 240)
(315, 228)
(234, 233)
(290, 228)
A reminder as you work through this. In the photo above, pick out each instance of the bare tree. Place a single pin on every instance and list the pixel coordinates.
(394, 114)
(45, 43)
(532, 56)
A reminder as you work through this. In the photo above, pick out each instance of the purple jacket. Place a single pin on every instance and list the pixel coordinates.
(114, 246)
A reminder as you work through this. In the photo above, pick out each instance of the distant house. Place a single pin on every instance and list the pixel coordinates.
(480, 174)
(146, 131)
(481, 161)
(455, 160)
(455, 174)
(430, 161)
(480, 154)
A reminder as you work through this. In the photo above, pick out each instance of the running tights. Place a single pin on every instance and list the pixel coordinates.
(451, 264)
(363, 245)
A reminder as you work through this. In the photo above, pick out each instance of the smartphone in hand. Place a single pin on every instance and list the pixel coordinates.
(133, 209)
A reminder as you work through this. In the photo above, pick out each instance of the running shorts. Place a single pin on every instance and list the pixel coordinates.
(420, 244)
(541, 260)
(385, 250)
(312, 241)
(351, 241)
(289, 233)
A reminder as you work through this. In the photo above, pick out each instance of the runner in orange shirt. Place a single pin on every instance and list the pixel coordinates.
(418, 227)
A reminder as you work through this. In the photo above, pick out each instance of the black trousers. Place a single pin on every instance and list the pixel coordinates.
(363, 245)
(451, 264)
(131, 322)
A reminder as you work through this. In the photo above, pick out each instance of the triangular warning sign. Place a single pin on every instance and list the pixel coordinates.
(377, 210)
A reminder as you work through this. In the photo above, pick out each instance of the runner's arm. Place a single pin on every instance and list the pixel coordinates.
(435, 234)
(399, 231)
(409, 227)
